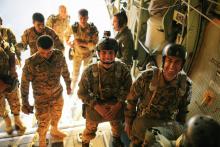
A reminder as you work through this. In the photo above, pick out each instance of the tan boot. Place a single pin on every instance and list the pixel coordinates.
(19, 125)
(8, 126)
(56, 133)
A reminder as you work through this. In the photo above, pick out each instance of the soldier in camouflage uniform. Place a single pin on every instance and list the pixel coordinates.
(9, 89)
(103, 89)
(85, 39)
(161, 97)
(59, 23)
(43, 70)
(30, 35)
(8, 36)
(124, 38)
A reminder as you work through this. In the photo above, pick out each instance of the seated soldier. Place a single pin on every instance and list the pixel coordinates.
(161, 96)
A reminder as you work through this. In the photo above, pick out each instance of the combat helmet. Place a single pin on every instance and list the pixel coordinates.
(175, 50)
(202, 131)
(108, 44)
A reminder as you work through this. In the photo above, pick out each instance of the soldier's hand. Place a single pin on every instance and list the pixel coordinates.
(115, 109)
(128, 129)
(3, 86)
(103, 111)
(27, 109)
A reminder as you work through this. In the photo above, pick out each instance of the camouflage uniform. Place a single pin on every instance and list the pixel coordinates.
(126, 46)
(7, 67)
(59, 25)
(159, 103)
(45, 78)
(115, 84)
(9, 37)
(88, 35)
(30, 37)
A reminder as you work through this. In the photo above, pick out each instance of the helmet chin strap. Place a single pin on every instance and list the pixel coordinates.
(107, 62)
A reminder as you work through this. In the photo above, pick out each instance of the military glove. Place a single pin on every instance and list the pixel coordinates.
(27, 109)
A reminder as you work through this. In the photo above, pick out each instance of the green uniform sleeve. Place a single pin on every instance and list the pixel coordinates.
(11, 37)
(65, 73)
(127, 48)
(24, 41)
(12, 40)
(183, 106)
(25, 82)
(136, 92)
(125, 85)
(83, 92)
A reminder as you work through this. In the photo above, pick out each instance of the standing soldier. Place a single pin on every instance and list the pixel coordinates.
(161, 97)
(8, 36)
(103, 89)
(124, 38)
(85, 39)
(43, 70)
(9, 89)
(59, 23)
(31, 35)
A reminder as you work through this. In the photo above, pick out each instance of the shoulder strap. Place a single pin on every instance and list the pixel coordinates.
(75, 27)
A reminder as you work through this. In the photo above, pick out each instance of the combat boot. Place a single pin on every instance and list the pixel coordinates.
(56, 133)
(117, 142)
(84, 144)
(8, 126)
(19, 125)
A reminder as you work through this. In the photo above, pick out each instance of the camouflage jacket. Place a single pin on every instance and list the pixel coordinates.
(9, 37)
(126, 46)
(4, 61)
(30, 38)
(59, 25)
(87, 35)
(44, 76)
(169, 103)
(7, 59)
(99, 85)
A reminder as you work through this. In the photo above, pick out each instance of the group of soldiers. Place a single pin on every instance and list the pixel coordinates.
(156, 100)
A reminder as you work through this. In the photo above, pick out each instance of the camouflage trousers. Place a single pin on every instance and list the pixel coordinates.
(48, 114)
(13, 101)
(170, 129)
(77, 62)
(91, 127)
